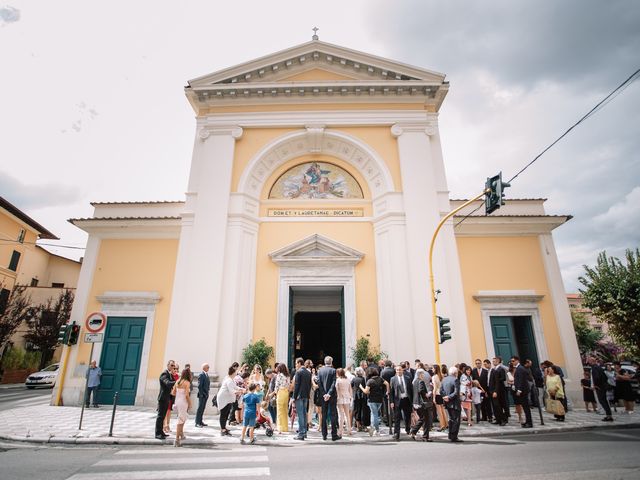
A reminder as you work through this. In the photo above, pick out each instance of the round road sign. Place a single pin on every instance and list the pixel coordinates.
(95, 322)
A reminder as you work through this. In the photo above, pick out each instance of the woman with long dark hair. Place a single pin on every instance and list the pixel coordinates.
(181, 390)
(436, 379)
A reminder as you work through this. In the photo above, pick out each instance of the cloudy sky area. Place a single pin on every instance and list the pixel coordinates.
(93, 109)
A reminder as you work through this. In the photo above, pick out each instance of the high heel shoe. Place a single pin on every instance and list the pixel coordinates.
(176, 442)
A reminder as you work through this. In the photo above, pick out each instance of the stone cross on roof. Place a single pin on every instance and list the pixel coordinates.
(315, 33)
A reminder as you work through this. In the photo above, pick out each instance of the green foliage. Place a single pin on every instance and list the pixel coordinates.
(16, 311)
(45, 323)
(258, 353)
(612, 292)
(364, 351)
(17, 359)
(586, 336)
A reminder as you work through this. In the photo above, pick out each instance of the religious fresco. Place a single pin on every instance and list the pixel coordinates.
(316, 180)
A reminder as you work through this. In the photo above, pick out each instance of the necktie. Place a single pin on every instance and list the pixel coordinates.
(401, 385)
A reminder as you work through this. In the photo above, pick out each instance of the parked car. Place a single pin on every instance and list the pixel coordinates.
(635, 383)
(44, 378)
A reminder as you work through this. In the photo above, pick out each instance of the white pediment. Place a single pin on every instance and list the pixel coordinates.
(316, 250)
(316, 54)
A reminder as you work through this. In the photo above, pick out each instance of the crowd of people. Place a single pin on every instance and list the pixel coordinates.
(416, 399)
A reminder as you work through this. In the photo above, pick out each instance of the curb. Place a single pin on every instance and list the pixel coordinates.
(313, 441)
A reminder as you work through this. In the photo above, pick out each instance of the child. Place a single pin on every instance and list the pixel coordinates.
(476, 394)
(587, 392)
(250, 401)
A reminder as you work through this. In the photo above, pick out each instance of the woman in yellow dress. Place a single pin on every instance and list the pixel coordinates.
(553, 382)
(282, 397)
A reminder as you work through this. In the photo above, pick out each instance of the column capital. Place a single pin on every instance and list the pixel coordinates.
(232, 130)
(429, 128)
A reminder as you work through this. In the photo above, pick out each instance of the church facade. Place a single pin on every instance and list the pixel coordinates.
(316, 183)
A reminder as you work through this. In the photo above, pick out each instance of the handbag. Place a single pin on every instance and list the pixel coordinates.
(555, 407)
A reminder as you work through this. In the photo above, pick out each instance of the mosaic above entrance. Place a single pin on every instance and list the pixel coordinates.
(316, 180)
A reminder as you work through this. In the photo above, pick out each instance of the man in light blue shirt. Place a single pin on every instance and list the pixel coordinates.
(93, 383)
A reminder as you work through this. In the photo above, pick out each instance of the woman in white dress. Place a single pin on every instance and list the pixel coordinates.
(345, 396)
(181, 390)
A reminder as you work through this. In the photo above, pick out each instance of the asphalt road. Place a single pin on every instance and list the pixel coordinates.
(602, 454)
(21, 396)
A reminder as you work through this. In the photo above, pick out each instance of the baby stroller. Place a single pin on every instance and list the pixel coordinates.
(263, 420)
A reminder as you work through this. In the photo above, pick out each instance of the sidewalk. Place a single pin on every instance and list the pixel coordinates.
(135, 426)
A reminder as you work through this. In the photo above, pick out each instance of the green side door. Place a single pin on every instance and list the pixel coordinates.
(504, 342)
(120, 359)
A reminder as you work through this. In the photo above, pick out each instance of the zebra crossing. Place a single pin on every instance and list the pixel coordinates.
(179, 463)
(21, 397)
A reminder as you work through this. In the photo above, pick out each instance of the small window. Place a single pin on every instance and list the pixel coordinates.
(4, 299)
(57, 285)
(15, 258)
(21, 235)
(34, 282)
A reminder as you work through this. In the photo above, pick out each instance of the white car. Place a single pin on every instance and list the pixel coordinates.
(44, 378)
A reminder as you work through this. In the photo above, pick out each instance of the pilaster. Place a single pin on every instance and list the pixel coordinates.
(198, 286)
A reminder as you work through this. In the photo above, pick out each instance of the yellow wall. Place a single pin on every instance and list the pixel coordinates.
(275, 235)
(137, 265)
(505, 263)
(9, 230)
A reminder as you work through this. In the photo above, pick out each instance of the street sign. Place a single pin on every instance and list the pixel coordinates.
(93, 337)
(95, 322)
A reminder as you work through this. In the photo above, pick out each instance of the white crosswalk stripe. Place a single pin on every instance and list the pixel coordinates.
(176, 474)
(195, 451)
(179, 461)
(184, 463)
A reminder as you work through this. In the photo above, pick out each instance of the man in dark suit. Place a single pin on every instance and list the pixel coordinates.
(497, 377)
(387, 374)
(203, 394)
(521, 386)
(400, 398)
(481, 374)
(327, 385)
(301, 393)
(600, 383)
(450, 392)
(166, 384)
(423, 404)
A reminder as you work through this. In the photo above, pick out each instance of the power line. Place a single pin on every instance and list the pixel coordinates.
(599, 106)
(7, 242)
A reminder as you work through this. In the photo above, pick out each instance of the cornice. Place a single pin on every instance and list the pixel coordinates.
(326, 118)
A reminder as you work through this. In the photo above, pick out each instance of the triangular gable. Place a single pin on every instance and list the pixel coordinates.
(316, 249)
(316, 74)
(321, 54)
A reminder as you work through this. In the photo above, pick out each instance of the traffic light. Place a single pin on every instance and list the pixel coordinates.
(74, 332)
(443, 328)
(494, 198)
(63, 334)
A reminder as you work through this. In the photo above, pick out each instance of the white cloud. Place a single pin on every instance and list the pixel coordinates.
(8, 14)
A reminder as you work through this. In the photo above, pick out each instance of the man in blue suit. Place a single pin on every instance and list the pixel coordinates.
(327, 385)
(203, 394)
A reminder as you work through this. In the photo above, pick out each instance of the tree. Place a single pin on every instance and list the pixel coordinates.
(364, 351)
(45, 323)
(612, 292)
(15, 311)
(586, 336)
(257, 353)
